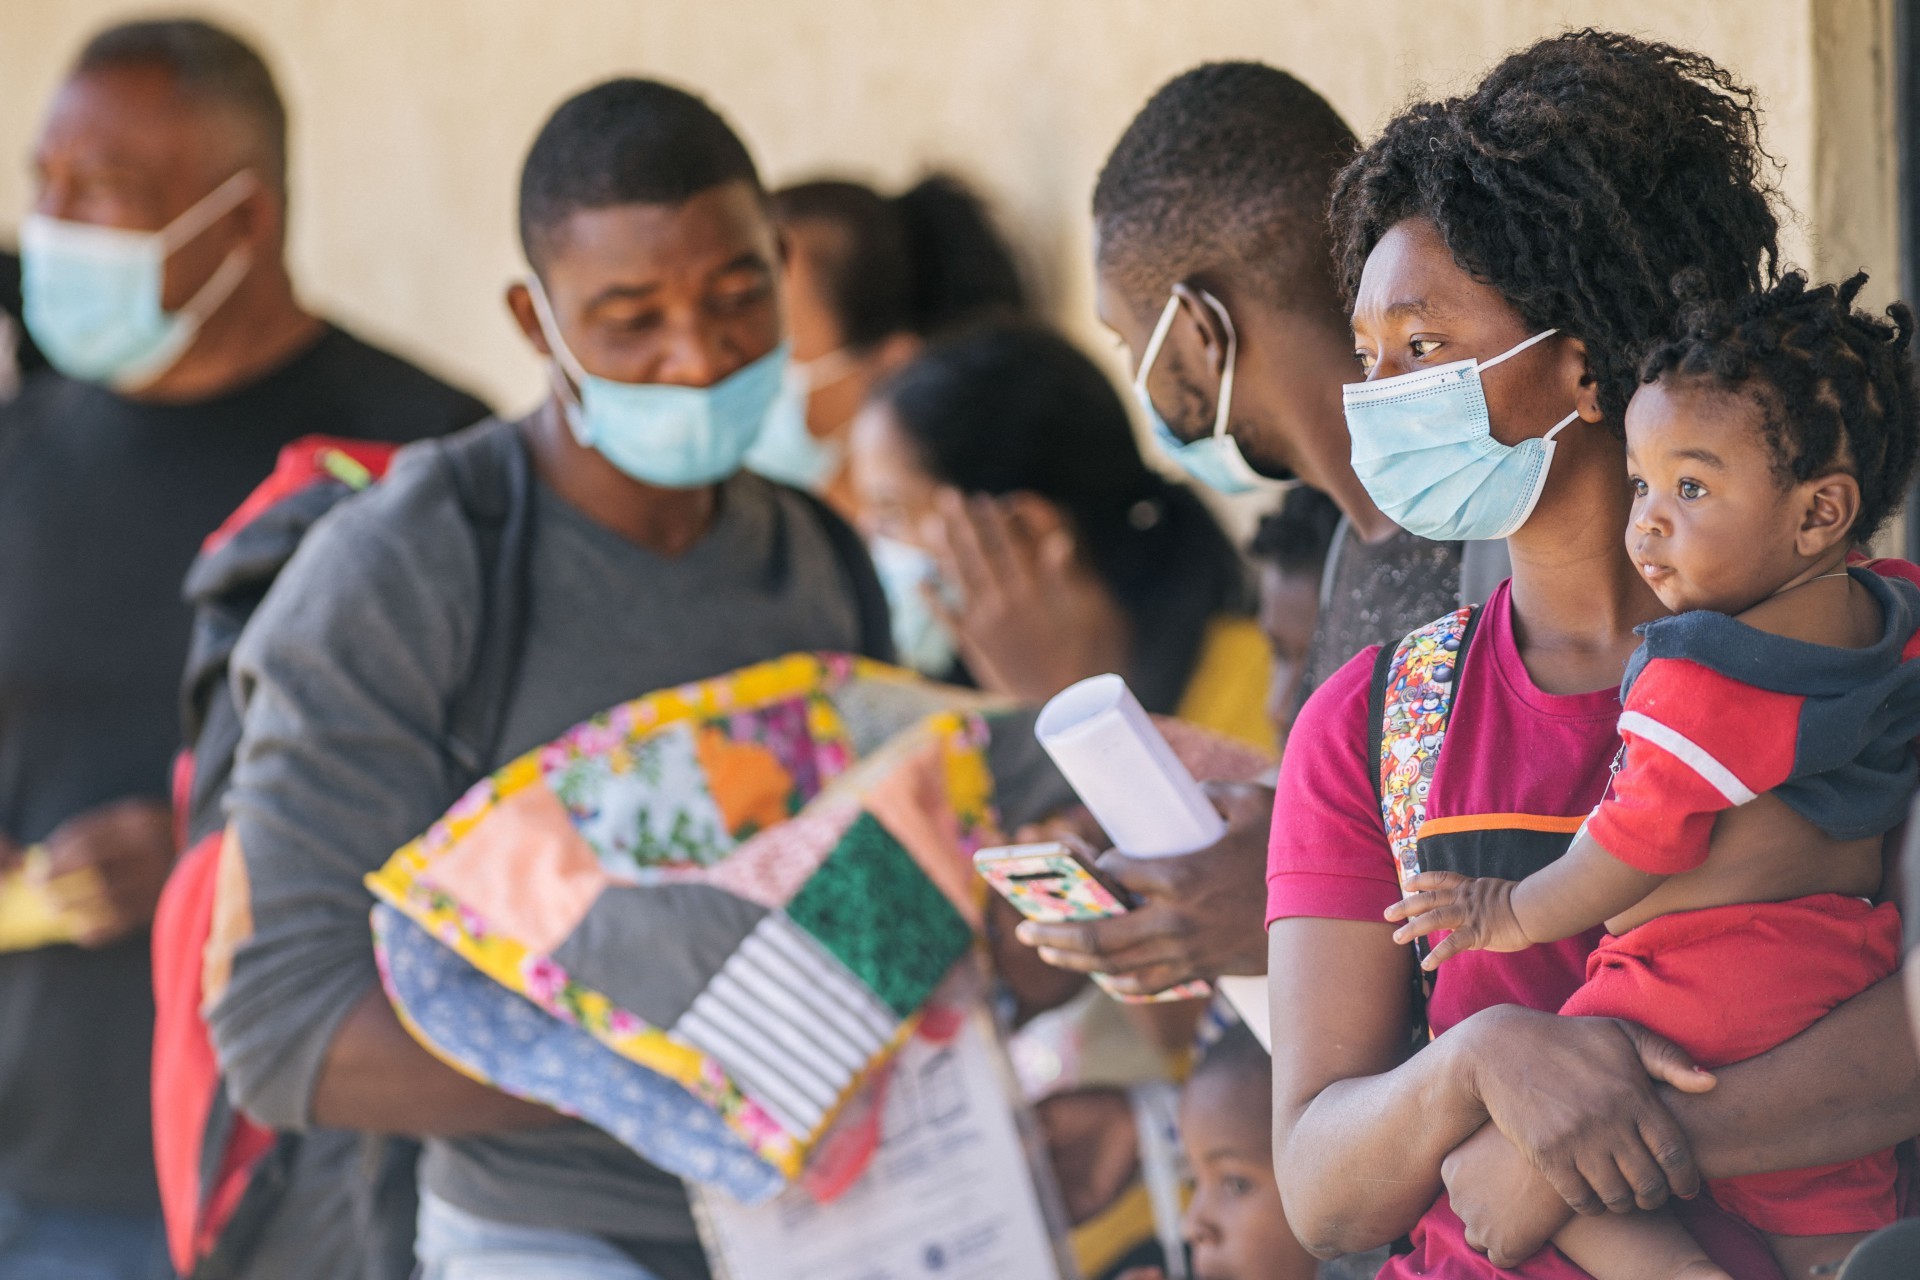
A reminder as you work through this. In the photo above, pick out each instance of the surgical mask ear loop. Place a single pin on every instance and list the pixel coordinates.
(1223, 408)
(1512, 351)
(1154, 343)
(1515, 350)
(1223, 411)
(205, 211)
(211, 296)
(563, 366)
(550, 329)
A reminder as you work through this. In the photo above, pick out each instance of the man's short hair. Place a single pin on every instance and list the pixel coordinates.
(626, 141)
(1228, 168)
(209, 63)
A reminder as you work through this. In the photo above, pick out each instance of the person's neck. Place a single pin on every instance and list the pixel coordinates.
(1576, 594)
(1330, 470)
(667, 522)
(255, 331)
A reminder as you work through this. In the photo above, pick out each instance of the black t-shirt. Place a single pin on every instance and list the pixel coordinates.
(103, 503)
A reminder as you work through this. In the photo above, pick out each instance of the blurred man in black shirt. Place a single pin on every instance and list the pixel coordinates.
(155, 283)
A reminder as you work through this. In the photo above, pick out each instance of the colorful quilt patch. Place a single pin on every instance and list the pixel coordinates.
(796, 1028)
(870, 906)
(488, 1032)
(645, 804)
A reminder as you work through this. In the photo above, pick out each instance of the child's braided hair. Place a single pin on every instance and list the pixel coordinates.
(1835, 384)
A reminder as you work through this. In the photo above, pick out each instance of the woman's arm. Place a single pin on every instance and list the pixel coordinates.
(1847, 1086)
(1359, 1129)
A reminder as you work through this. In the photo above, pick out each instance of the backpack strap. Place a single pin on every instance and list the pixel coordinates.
(1410, 702)
(1412, 698)
(492, 474)
(856, 564)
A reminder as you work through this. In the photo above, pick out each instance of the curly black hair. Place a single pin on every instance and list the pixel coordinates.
(1578, 179)
(1834, 384)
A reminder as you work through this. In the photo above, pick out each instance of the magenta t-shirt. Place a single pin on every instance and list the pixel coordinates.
(1516, 756)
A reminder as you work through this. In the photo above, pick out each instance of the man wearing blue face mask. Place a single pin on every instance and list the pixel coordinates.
(651, 559)
(1214, 271)
(155, 284)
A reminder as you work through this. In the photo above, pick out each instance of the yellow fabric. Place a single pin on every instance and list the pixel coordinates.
(29, 917)
(1227, 692)
(1126, 1224)
(232, 920)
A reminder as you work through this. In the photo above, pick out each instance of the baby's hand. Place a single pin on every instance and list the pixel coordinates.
(1477, 911)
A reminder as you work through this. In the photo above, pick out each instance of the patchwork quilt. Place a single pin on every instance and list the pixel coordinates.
(701, 919)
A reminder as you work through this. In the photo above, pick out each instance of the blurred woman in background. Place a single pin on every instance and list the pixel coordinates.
(1025, 543)
(869, 279)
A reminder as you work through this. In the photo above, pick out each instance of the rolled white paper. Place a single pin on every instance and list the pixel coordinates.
(1124, 772)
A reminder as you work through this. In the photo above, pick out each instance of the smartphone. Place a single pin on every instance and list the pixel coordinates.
(1051, 882)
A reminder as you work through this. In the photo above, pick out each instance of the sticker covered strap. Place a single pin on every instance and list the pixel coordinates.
(1417, 696)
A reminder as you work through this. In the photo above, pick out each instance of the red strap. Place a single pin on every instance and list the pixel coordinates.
(184, 1071)
(308, 461)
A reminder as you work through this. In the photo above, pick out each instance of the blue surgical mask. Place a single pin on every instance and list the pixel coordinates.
(1214, 460)
(93, 294)
(670, 436)
(920, 639)
(787, 451)
(1424, 448)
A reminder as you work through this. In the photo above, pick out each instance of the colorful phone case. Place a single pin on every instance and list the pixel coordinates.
(1045, 882)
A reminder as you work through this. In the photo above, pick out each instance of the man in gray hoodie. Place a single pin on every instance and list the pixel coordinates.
(653, 560)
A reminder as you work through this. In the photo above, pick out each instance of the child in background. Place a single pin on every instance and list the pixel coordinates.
(1234, 1224)
(1766, 731)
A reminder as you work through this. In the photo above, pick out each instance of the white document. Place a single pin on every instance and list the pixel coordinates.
(1121, 767)
(950, 1194)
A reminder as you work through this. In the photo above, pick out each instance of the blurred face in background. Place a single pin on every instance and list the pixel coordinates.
(894, 490)
(1289, 608)
(835, 377)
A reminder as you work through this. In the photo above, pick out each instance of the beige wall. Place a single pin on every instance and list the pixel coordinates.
(411, 116)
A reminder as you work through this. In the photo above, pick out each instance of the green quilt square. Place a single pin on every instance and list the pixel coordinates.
(871, 906)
